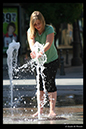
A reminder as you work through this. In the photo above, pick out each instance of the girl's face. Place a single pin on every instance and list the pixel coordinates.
(38, 25)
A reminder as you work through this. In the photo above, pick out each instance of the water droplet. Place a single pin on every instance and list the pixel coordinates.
(31, 110)
(21, 114)
(25, 119)
(70, 96)
(24, 102)
(48, 104)
(15, 99)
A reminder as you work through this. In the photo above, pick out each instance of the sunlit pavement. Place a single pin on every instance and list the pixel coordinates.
(71, 83)
(65, 115)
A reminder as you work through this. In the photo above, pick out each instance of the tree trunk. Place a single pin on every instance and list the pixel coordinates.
(76, 61)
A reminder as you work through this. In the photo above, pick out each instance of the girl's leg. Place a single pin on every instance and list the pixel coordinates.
(41, 103)
(52, 99)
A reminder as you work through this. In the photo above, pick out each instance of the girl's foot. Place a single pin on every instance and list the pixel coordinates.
(52, 114)
(36, 114)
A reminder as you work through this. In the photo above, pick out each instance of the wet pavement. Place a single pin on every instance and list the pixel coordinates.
(69, 104)
(65, 115)
(24, 93)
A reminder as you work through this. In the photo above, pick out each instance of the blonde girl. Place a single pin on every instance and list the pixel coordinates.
(44, 34)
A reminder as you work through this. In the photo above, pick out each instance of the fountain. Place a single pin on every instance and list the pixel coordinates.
(65, 115)
(12, 53)
(39, 61)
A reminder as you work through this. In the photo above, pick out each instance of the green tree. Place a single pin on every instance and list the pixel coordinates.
(56, 13)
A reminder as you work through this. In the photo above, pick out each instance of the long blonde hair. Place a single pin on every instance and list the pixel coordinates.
(36, 15)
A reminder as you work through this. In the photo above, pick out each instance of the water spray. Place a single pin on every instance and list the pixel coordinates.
(12, 53)
(39, 61)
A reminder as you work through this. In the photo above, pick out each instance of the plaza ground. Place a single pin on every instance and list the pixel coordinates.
(69, 85)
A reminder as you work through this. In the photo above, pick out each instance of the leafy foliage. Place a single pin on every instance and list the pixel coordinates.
(55, 13)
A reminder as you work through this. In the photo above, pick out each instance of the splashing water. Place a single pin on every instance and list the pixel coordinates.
(39, 64)
(40, 61)
(12, 53)
(39, 47)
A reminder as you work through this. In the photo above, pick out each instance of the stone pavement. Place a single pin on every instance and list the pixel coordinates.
(69, 87)
(65, 115)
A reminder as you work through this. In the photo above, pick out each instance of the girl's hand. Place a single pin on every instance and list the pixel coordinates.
(39, 54)
(33, 55)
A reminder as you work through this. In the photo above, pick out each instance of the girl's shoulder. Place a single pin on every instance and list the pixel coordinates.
(49, 29)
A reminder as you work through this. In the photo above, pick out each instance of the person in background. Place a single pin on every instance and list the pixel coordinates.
(10, 35)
